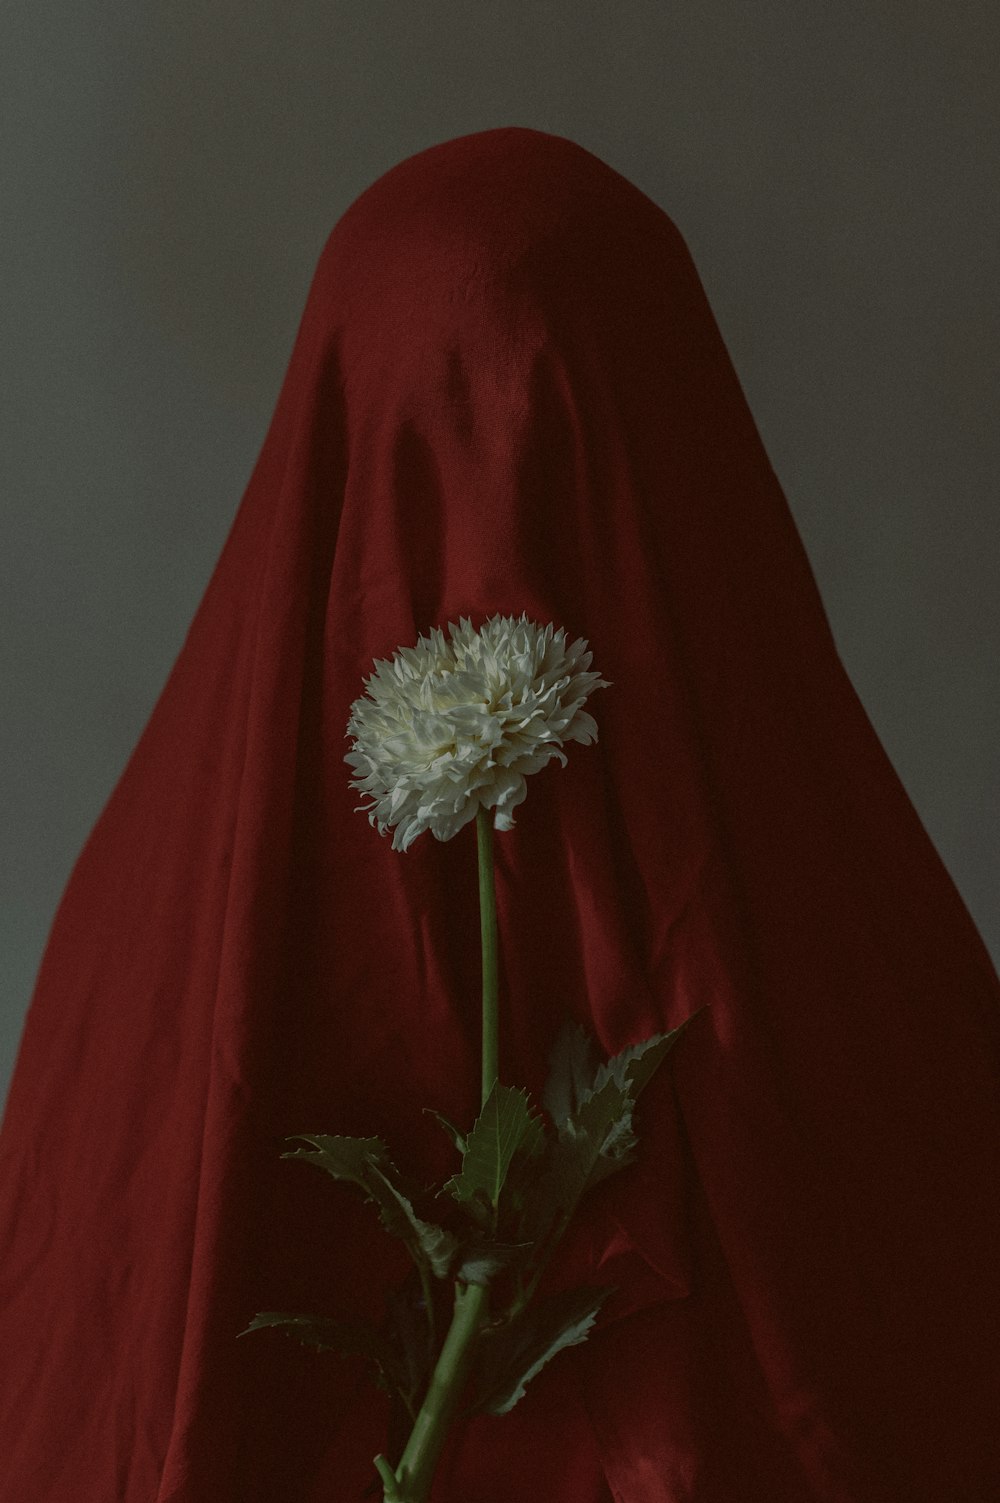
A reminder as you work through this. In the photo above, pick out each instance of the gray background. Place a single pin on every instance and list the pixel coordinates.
(171, 172)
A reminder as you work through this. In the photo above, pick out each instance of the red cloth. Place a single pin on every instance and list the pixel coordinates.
(508, 394)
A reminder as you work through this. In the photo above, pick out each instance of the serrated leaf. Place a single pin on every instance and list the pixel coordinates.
(604, 1115)
(350, 1338)
(343, 1158)
(505, 1125)
(597, 1140)
(434, 1243)
(365, 1162)
(633, 1068)
(571, 1073)
(509, 1357)
(635, 1065)
(594, 1143)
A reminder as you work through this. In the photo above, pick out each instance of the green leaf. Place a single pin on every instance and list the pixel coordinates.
(574, 1077)
(591, 1145)
(343, 1158)
(596, 1134)
(365, 1162)
(508, 1357)
(350, 1338)
(505, 1125)
(594, 1143)
(604, 1125)
(571, 1073)
(635, 1066)
(598, 1138)
(434, 1244)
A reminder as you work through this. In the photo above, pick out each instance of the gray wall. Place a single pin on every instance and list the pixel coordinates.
(170, 175)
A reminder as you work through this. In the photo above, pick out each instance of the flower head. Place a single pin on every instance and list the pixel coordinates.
(445, 727)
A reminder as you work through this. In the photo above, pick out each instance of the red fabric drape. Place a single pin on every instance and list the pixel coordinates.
(508, 393)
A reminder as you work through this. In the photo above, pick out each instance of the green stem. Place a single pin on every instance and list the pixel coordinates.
(488, 930)
(411, 1480)
(416, 1465)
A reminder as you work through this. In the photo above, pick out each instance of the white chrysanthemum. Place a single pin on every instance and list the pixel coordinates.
(445, 727)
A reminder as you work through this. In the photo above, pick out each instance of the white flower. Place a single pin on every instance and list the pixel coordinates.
(447, 727)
